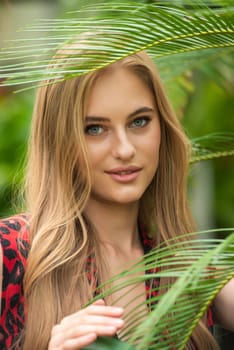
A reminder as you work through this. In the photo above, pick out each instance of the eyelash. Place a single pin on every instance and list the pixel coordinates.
(88, 128)
(145, 119)
(92, 126)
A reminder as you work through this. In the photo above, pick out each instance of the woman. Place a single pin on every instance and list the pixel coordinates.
(107, 162)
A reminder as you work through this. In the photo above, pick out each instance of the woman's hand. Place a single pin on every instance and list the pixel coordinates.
(83, 327)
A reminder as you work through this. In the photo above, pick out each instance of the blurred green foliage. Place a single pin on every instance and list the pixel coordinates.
(209, 110)
(15, 113)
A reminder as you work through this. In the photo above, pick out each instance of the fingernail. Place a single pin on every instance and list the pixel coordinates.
(119, 322)
(119, 309)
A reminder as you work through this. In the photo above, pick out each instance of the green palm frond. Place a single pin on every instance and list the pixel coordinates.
(201, 269)
(175, 65)
(107, 343)
(178, 35)
(164, 29)
(212, 146)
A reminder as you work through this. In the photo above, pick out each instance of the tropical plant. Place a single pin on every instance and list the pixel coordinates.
(178, 35)
(201, 269)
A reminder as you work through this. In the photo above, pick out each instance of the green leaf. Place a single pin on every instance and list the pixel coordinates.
(201, 267)
(212, 146)
(120, 29)
(176, 301)
(107, 343)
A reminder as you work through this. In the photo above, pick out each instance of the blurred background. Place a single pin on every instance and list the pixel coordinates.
(204, 103)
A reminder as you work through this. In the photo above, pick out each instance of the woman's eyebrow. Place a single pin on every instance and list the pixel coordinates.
(141, 110)
(97, 119)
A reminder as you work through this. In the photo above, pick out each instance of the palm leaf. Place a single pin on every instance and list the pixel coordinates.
(176, 65)
(169, 31)
(107, 343)
(164, 29)
(202, 268)
(212, 146)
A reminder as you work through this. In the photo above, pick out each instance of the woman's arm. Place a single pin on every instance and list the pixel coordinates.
(224, 306)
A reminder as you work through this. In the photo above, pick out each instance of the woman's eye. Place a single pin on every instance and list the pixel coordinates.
(140, 122)
(94, 129)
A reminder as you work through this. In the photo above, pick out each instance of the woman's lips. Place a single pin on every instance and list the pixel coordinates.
(124, 174)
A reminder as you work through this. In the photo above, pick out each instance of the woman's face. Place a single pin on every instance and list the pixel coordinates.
(122, 132)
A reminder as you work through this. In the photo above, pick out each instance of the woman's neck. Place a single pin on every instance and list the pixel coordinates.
(116, 225)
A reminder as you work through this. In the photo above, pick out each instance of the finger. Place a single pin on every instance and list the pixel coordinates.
(79, 343)
(99, 330)
(99, 302)
(95, 320)
(100, 325)
(58, 336)
(61, 338)
(104, 310)
(98, 310)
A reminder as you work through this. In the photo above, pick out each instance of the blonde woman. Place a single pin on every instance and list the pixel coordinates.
(107, 161)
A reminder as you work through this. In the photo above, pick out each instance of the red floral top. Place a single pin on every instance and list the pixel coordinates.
(15, 247)
(14, 239)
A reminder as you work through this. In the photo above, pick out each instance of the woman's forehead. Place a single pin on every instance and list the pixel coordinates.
(119, 90)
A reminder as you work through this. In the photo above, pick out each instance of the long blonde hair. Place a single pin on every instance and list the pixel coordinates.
(58, 188)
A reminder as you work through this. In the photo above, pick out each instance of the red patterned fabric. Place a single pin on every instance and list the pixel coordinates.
(15, 247)
(14, 239)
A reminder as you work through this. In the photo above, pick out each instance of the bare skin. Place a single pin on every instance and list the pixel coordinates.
(123, 140)
(115, 140)
(224, 306)
(83, 327)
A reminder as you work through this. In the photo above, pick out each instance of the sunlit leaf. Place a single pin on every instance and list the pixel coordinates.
(212, 146)
(201, 267)
(120, 29)
(107, 343)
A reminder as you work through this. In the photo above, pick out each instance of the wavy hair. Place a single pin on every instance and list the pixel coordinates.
(58, 187)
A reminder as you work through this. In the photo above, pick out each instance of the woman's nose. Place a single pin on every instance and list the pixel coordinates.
(123, 147)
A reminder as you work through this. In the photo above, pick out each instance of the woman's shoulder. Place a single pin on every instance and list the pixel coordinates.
(14, 223)
(14, 245)
(14, 237)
